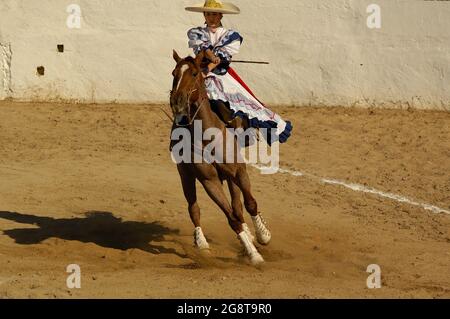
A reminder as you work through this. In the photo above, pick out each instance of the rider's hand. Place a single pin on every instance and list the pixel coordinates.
(210, 67)
(215, 60)
(212, 57)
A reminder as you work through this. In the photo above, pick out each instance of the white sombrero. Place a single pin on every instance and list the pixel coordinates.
(215, 6)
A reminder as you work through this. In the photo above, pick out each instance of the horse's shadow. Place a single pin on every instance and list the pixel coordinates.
(101, 228)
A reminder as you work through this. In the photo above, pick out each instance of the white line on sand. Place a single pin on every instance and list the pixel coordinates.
(363, 189)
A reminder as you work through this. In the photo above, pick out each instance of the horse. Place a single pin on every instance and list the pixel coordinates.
(189, 103)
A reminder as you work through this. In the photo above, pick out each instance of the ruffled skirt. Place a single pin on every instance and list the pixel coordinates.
(233, 91)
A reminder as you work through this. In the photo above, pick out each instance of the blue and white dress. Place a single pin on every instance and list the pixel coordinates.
(225, 85)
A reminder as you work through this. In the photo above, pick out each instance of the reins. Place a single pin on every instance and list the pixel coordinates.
(203, 99)
(167, 114)
(199, 107)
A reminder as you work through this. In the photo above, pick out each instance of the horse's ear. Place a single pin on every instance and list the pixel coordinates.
(176, 57)
(199, 58)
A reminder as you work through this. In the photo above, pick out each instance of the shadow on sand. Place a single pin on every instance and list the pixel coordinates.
(101, 228)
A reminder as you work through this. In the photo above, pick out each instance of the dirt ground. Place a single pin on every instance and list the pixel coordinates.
(94, 185)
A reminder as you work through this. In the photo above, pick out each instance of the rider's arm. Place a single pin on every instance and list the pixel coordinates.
(228, 46)
(212, 57)
(199, 40)
(209, 68)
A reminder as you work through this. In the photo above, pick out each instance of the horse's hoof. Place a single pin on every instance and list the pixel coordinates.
(204, 246)
(264, 237)
(250, 249)
(200, 240)
(256, 259)
(263, 234)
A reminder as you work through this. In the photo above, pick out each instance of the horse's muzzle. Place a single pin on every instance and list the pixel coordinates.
(181, 120)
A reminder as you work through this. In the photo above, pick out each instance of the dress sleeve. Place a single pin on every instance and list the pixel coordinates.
(199, 40)
(228, 46)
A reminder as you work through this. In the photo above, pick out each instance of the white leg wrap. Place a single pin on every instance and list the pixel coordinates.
(255, 256)
(263, 234)
(249, 233)
(199, 239)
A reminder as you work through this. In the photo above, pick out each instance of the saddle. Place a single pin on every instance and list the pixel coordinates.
(235, 122)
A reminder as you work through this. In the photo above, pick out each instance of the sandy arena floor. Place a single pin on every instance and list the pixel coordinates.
(94, 185)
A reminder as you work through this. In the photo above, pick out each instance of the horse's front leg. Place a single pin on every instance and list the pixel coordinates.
(214, 189)
(262, 231)
(236, 203)
(190, 192)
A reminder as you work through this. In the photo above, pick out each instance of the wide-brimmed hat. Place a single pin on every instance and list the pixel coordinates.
(215, 6)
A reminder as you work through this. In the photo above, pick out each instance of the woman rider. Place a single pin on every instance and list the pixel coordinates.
(229, 96)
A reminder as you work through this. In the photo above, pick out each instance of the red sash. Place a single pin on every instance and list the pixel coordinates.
(241, 82)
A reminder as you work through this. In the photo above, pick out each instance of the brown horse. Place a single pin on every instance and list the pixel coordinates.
(189, 103)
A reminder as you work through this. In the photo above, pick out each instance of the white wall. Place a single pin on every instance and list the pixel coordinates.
(321, 51)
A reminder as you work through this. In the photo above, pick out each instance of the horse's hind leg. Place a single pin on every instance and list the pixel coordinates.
(214, 189)
(236, 204)
(263, 234)
(190, 192)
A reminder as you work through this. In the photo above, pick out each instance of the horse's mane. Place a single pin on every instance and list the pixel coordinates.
(190, 59)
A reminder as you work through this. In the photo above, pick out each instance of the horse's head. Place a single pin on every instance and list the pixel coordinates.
(187, 83)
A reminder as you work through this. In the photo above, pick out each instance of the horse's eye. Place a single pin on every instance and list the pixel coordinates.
(195, 74)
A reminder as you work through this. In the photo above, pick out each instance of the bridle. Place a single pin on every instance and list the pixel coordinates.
(199, 106)
(203, 98)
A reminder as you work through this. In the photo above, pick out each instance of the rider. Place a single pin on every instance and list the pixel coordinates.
(229, 96)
